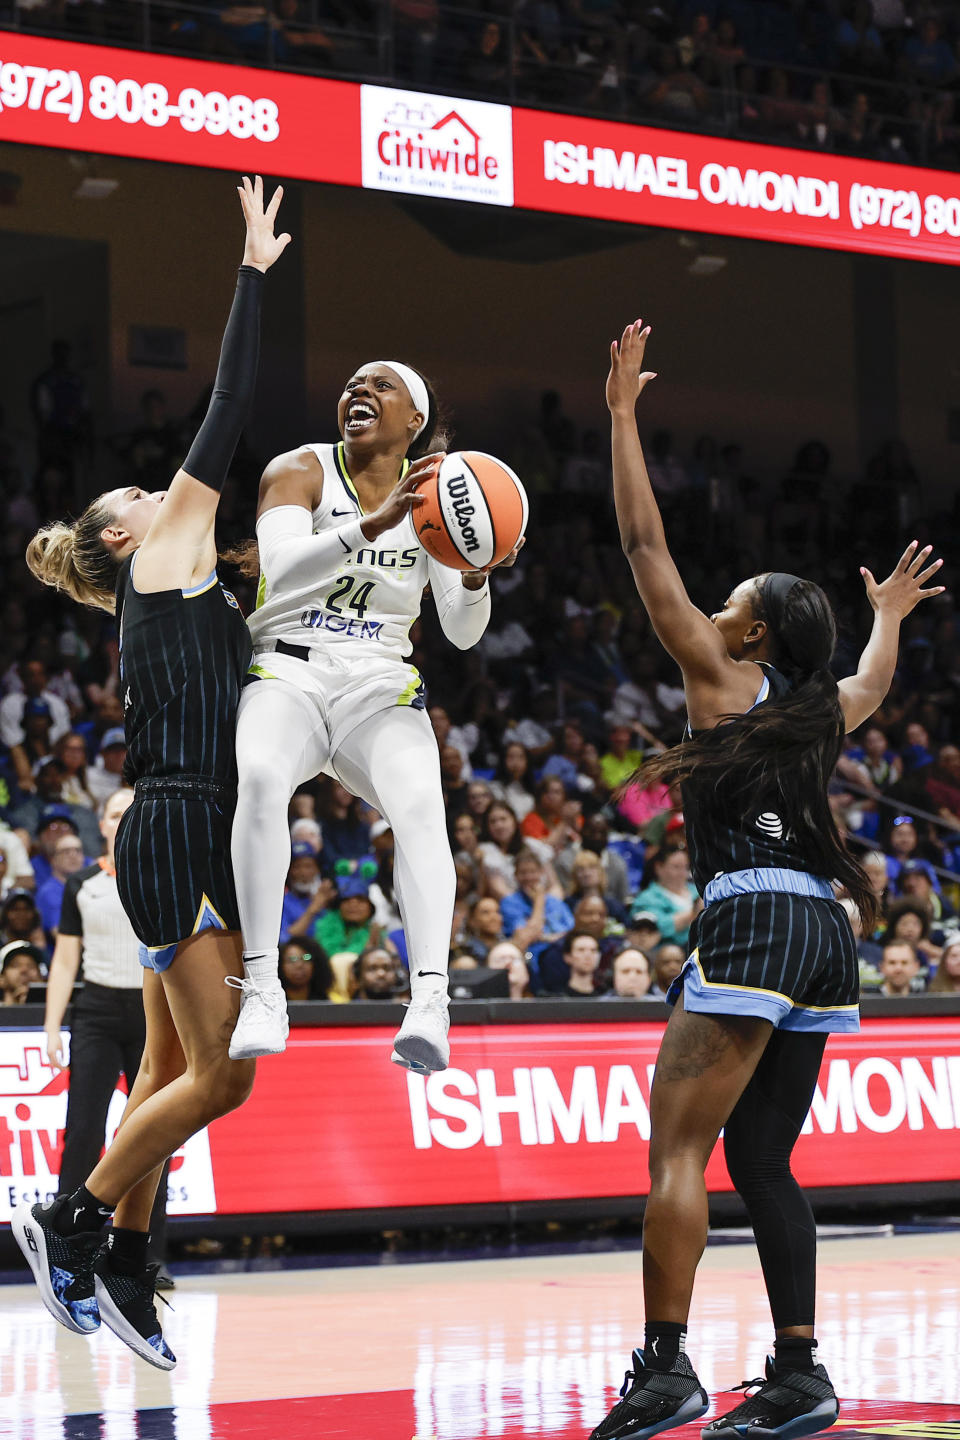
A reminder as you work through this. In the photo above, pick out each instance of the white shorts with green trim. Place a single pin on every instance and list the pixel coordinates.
(348, 689)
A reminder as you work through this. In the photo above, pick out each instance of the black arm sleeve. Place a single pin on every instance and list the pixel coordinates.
(212, 450)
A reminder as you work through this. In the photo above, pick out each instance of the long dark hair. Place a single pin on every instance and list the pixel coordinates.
(788, 747)
(436, 434)
(517, 841)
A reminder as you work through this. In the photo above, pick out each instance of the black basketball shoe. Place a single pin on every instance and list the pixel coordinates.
(787, 1405)
(126, 1306)
(652, 1401)
(62, 1265)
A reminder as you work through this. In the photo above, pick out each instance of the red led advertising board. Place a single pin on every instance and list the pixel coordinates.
(525, 1112)
(194, 112)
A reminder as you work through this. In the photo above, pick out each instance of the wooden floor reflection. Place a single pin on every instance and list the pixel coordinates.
(528, 1348)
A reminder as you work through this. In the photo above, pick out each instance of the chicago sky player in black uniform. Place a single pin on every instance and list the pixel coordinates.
(774, 968)
(184, 652)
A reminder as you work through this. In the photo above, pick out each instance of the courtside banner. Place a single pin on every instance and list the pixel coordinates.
(231, 117)
(525, 1112)
(668, 178)
(192, 112)
(33, 1109)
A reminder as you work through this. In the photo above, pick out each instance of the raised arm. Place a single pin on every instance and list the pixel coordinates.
(892, 601)
(179, 548)
(682, 629)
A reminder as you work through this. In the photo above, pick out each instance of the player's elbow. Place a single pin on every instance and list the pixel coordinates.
(636, 547)
(465, 639)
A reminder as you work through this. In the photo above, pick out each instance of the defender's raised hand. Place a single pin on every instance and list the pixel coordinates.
(627, 377)
(262, 247)
(903, 588)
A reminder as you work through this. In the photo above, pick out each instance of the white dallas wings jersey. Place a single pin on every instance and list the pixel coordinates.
(369, 602)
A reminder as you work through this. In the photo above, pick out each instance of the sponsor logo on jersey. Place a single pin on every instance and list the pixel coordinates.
(436, 145)
(340, 625)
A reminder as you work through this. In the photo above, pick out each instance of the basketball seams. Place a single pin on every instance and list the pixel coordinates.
(446, 523)
(486, 502)
(519, 490)
(446, 502)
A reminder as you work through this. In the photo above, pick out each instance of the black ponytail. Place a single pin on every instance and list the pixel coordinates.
(788, 747)
(437, 432)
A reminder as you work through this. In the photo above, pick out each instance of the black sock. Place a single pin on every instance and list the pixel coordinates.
(663, 1341)
(81, 1212)
(793, 1352)
(127, 1250)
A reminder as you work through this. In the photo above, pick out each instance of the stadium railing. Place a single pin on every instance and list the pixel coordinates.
(377, 41)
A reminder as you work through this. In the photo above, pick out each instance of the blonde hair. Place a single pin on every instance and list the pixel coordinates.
(942, 983)
(74, 559)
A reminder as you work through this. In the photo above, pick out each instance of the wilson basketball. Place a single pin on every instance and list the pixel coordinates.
(474, 513)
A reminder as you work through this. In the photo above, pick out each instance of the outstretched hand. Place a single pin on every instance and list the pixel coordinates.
(903, 589)
(627, 378)
(262, 247)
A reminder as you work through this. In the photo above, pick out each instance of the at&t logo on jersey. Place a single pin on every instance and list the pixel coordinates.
(770, 824)
(436, 145)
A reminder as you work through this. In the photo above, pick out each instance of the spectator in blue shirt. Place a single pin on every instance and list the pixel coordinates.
(929, 56)
(531, 917)
(305, 890)
(39, 813)
(566, 764)
(66, 860)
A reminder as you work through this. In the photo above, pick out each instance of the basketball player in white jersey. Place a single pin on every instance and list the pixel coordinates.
(342, 576)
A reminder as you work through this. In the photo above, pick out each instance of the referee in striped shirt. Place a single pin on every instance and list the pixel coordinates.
(108, 1030)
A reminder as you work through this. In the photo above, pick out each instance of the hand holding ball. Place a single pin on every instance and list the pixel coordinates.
(473, 513)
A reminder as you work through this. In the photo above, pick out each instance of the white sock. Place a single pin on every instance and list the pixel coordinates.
(429, 983)
(262, 967)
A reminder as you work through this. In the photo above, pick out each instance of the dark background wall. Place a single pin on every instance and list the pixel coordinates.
(780, 345)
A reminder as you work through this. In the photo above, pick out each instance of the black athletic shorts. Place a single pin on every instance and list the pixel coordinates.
(173, 863)
(790, 959)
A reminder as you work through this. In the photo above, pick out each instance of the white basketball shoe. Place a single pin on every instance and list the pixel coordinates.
(263, 1025)
(422, 1044)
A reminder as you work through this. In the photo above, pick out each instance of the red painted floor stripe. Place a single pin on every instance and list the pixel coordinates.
(391, 1416)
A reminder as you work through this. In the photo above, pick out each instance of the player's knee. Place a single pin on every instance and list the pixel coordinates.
(755, 1174)
(419, 808)
(229, 1086)
(258, 780)
(161, 1066)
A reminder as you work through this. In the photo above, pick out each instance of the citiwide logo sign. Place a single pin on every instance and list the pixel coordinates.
(33, 1109)
(435, 145)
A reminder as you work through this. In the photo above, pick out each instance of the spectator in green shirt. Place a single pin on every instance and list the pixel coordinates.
(621, 760)
(347, 926)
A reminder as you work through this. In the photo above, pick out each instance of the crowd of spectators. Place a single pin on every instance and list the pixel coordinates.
(862, 77)
(572, 878)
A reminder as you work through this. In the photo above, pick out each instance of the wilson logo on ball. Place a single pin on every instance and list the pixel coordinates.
(474, 511)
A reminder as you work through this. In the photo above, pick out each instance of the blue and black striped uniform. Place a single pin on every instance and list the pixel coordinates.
(771, 940)
(183, 657)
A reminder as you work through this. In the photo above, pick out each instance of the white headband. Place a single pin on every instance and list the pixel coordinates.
(415, 387)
